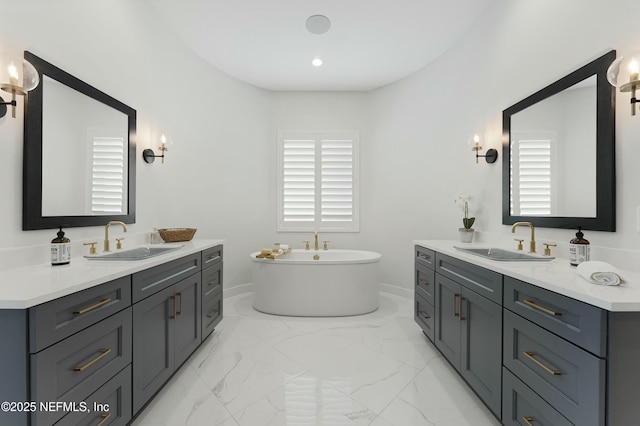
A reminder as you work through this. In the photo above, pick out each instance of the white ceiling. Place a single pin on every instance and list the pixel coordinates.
(371, 43)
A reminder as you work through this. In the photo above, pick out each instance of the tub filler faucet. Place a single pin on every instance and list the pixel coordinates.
(315, 241)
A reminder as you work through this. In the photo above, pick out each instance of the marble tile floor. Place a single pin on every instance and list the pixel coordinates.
(376, 369)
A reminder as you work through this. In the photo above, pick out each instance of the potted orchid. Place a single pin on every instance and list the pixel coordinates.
(463, 201)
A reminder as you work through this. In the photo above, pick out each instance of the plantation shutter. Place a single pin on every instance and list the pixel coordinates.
(108, 175)
(337, 181)
(299, 180)
(531, 177)
(318, 182)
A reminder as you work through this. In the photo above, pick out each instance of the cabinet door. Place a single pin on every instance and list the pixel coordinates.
(188, 318)
(448, 319)
(153, 348)
(481, 344)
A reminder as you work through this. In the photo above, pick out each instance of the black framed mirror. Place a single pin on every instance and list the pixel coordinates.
(558, 153)
(79, 164)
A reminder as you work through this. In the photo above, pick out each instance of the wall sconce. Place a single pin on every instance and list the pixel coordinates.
(149, 156)
(19, 84)
(617, 79)
(491, 156)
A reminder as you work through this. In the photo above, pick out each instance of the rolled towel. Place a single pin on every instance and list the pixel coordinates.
(600, 273)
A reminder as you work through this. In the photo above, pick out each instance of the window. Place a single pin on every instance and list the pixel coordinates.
(532, 174)
(318, 181)
(108, 175)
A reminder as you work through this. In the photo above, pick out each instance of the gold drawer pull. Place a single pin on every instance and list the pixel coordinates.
(212, 314)
(530, 355)
(424, 256)
(214, 256)
(105, 417)
(213, 282)
(103, 353)
(423, 281)
(528, 420)
(548, 311)
(92, 307)
(460, 309)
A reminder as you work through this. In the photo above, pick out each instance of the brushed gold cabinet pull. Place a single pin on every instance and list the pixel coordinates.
(455, 298)
(460, 309)
(214, 256)
(174, 307)
(180, 309)
(424, 256)
(105, 417)
(424, 314)
(531, 356)
(92, 307)
(212, 314)
(547, 311)
(423, 281)
(103, 353)
(528, 420)
(212, 282)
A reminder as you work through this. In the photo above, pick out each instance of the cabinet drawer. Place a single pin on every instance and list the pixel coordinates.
(520, 403)
(425, 283)
(211, 315)
(425, 257)
(211, 281)
(74, 368)
(578, 322)
(111, 404)
(570, 378)
(150, 281)
(424, 315)
(483, 281)
(53, 321)
(211, 256)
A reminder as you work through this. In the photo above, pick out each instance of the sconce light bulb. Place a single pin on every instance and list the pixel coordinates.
(476, 138)
(13, 74)
(163, 139)
(634, 69)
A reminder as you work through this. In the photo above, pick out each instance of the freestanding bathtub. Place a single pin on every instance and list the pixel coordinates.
(339, 283)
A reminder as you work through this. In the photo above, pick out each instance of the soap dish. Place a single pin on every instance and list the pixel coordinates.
(174, 235)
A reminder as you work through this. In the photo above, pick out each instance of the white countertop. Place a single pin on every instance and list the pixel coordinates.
(555, 275)
(24, 287)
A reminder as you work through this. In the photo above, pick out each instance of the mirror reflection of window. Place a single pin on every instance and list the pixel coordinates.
(532, 175)
(108, 175)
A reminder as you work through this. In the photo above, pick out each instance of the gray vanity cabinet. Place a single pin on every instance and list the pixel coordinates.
(211, 289)
(424, 312)
(468, 325)
(166, 326)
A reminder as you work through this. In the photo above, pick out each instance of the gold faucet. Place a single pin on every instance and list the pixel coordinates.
(532, 243)
(315, 240)
(106, 232)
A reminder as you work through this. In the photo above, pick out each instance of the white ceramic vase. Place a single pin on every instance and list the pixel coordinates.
(466, 235)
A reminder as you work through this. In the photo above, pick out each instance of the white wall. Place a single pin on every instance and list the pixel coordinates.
(220, 174)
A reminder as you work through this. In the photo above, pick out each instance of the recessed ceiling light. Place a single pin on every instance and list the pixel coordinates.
(317, 62)
(318, 24)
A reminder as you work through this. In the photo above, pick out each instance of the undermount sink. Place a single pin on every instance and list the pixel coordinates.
(138, 253)
(504, 255)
